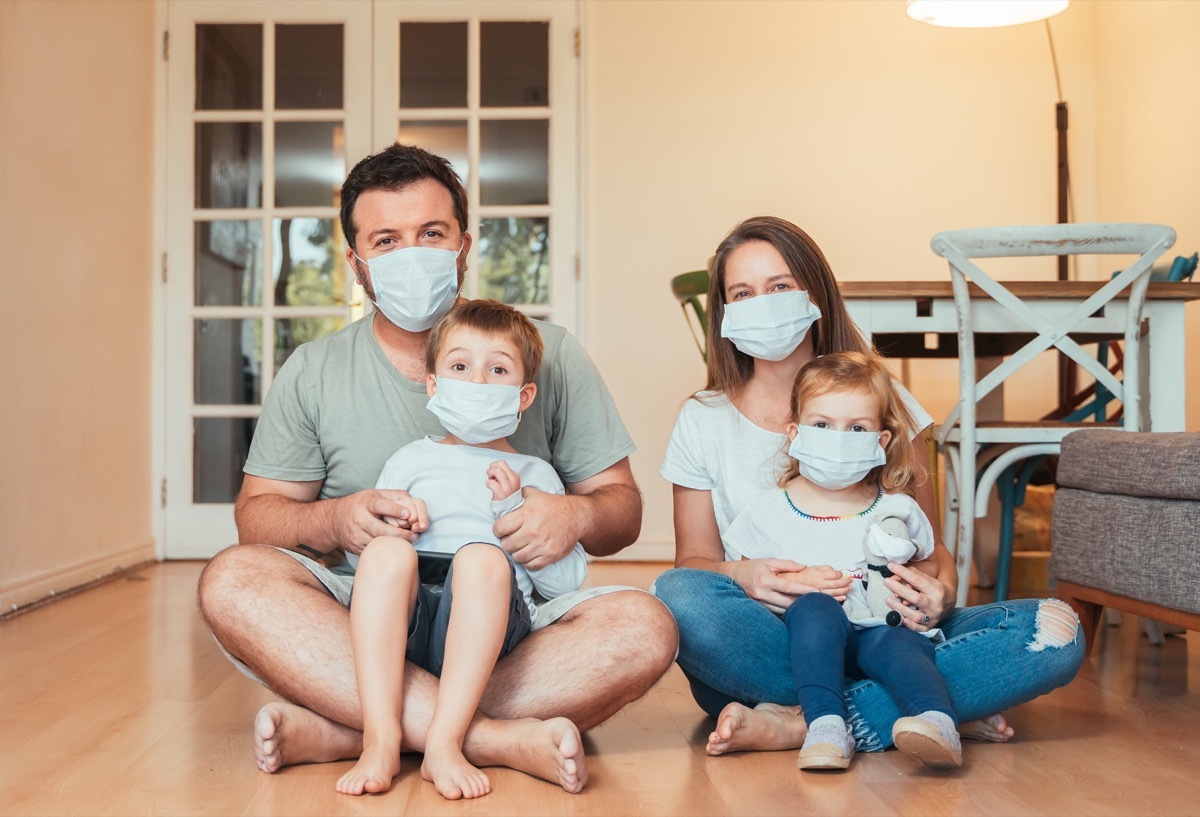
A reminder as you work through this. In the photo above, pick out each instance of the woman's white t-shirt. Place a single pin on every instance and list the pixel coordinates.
(714, 447)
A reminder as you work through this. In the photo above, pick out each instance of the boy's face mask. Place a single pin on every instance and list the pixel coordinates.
(769, 327)
(476, 412)
(836, 459)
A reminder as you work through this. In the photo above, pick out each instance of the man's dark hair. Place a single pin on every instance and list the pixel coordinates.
(394, 168)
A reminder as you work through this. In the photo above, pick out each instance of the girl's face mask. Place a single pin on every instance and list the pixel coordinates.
(769, 327)
(836, 459)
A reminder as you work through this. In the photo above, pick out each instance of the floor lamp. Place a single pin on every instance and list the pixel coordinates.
(993, 14)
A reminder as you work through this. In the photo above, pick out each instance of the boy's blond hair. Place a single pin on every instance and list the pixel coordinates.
(490, 318)
(855, 371)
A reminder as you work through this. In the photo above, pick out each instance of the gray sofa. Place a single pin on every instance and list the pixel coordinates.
(1126, 526)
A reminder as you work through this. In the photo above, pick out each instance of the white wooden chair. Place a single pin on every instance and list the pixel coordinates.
(962, 434)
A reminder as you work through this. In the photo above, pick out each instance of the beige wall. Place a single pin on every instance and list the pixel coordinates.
(867, 129)
(870, 131)
(76, 160)
(1149, 117)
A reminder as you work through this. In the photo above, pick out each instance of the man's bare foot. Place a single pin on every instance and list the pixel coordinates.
(551, 750)
(994, 728)
(285, 734)
(374, 771)
(451, 774)
(766, 727)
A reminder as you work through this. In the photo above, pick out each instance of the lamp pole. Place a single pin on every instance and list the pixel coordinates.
(1064, 174)
(1064, 215)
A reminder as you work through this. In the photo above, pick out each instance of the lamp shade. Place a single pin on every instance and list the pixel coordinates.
(982, 13)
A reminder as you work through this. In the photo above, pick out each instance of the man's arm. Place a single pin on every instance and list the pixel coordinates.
(602, 512)
(289, 515)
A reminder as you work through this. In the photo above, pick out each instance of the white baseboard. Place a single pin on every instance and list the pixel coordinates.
(62, 578)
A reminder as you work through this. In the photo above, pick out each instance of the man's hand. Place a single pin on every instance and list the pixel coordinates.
(541, 531)
(356, 519)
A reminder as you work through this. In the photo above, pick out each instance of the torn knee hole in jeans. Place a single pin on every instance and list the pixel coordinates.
(1057, 625)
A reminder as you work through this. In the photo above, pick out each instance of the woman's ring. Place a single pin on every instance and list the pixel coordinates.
(925, 620)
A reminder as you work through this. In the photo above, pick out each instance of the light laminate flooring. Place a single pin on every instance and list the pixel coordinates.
(116, 701)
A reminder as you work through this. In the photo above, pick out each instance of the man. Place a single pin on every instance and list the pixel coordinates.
(338, 409)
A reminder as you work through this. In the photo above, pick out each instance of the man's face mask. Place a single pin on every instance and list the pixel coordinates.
(476, 412)
(836, 459)
(769, 327)
(414, 286)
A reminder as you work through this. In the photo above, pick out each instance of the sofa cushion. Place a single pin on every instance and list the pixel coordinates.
(1139, 547)
(1146, 464)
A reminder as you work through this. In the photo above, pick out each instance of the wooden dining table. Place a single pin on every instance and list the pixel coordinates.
(917, 319)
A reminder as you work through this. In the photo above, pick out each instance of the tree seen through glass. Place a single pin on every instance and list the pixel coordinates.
(514, 265)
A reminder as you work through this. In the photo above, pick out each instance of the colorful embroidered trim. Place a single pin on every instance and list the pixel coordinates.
(801, 513)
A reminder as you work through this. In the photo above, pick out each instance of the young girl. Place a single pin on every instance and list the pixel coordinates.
(848, 465)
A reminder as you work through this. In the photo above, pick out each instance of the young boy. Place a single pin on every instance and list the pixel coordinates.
(482, 357)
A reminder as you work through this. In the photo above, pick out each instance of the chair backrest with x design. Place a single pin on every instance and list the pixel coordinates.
(960, 247)
(1051, 325)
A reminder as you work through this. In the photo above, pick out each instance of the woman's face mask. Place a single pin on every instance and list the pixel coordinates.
(476, 412)
(771, 326)
(836, 459)
(414, 286)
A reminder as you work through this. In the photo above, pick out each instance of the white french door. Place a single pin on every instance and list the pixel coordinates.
(269, 103)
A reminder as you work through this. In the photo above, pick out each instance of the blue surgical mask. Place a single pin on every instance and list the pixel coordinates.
(769, 327)
(476, 412)
(414, 286)
(836, 459)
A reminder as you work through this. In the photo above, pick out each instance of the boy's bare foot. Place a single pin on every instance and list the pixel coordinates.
(550, 749)
(766, 727)
(374, 771)
(451, 774)
(994, 728)
(285, 734)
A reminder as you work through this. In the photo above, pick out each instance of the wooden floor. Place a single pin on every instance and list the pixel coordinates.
(117, 702)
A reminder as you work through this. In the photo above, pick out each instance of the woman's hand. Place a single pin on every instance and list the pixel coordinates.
(823, 579)
(921, 600)
(775, 583)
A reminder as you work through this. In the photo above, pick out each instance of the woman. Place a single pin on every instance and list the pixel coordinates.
(774, 305)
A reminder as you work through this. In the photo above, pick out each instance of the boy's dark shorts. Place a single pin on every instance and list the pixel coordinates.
(431, 619)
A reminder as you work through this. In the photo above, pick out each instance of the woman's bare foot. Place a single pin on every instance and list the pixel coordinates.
(994, 728)
(766, 727)
(451, 774)
(551, 750)
(285, 734)
(374, 771)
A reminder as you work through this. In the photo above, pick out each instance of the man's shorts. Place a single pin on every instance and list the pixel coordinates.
(341, 586)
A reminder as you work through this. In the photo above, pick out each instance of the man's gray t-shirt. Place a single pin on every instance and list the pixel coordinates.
(338, 409)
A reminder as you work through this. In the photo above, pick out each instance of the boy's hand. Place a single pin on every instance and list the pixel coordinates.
(502, 480)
